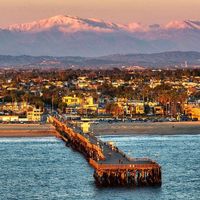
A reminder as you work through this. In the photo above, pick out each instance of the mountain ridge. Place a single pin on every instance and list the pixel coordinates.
(77, 22)
(73, 23)
(162, 60)
(73, 36)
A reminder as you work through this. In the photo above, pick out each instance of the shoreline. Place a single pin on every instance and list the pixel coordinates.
(106, 129)
(146, 128)
(27, 130)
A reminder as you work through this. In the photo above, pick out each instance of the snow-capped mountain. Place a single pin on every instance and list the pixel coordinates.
(65, 24)
(68, 23)
(73, 24)
(183, 25)
(74, 36)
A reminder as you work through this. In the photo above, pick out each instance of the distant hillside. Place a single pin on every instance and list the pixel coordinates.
(157, 59)
(166, 59)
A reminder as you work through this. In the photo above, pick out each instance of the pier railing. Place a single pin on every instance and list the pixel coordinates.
(78, 138)
(99, 166)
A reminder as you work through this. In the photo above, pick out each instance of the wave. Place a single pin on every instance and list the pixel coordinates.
(28, 139)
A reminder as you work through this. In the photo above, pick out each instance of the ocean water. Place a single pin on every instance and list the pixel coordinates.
(44, 168)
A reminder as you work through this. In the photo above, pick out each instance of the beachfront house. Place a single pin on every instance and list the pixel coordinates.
(34, 114)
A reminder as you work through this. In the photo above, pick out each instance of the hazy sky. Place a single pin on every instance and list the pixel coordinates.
(121, 11)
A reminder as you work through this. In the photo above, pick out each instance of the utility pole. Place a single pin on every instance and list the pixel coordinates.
(52, 104)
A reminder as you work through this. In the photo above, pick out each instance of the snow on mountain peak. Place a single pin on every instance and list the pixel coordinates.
(66, 23)
(187, 24)
(135, 27)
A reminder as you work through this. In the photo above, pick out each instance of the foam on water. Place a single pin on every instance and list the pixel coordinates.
(26, 139)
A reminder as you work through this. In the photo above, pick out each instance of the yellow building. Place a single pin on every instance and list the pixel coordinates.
(88, 104)
(89, 100)
(71, 100)
(9, 118)
(193, 112)
(59, 84)
(152, 104)
(82, 85)
(101, 111)
(15, 106)
(158, 110)
(34, 114)
(82, 82)
(85, 127)
(138, 107)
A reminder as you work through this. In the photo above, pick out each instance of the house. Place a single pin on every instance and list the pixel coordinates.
(15, 106)
(82, 82)
(158, 110)
(138, 107)
(101, 111)
(192, 111)
(9, 118)
(34, 114)
(71, 100)
(88, 104)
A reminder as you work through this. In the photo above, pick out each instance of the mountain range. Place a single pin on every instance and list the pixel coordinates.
(157, 60)
(73, 36)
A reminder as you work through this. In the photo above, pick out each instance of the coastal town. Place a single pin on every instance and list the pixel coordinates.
(99, 100)
(156, 95)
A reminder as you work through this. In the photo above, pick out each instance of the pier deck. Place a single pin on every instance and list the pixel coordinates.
(112, 166)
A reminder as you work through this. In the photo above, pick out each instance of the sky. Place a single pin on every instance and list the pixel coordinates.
(119, 11)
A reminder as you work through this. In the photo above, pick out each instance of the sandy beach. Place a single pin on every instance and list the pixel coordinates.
(146, 128)
(104, 128)
(27, 130)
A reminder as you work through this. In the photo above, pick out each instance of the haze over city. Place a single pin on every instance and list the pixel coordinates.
(120, 11)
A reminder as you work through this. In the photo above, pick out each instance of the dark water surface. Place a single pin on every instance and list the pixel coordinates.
(43, 168)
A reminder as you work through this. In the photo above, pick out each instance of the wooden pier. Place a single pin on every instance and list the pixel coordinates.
(111, 166)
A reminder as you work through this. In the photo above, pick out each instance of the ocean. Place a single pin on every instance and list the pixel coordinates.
(44, 168)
